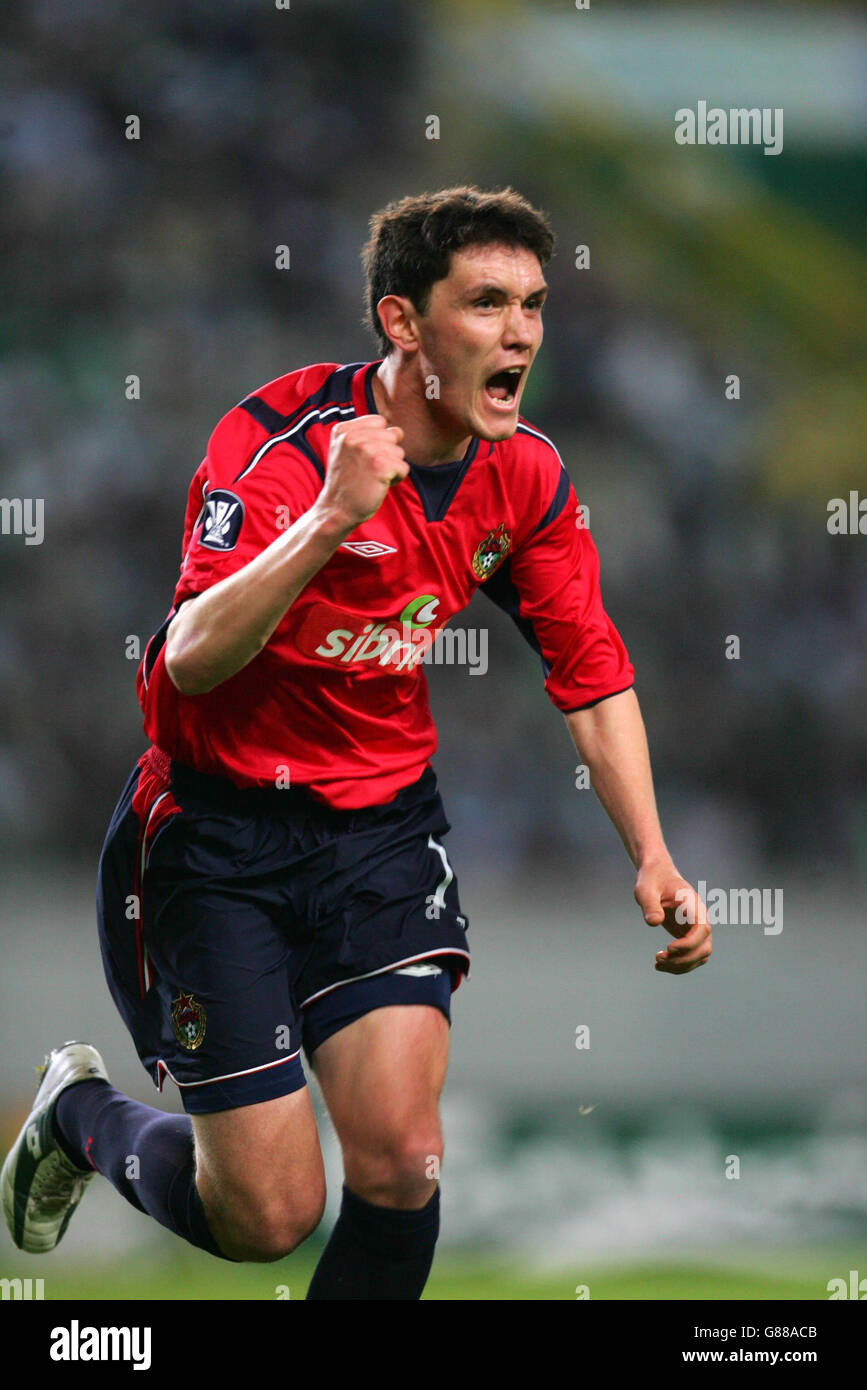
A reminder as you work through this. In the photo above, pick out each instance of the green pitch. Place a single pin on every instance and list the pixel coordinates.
(194, 1277)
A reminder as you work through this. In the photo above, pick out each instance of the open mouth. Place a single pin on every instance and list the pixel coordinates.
(501, 389)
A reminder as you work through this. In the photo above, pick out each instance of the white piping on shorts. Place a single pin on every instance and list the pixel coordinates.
(230, 1076)
(384, 970)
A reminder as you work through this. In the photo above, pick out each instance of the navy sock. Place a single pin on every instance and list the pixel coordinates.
(377, 1252)
(145, 1153)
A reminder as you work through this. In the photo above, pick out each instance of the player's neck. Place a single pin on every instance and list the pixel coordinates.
(401, 400)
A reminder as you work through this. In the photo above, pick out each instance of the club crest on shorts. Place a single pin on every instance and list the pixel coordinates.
(492, 551)
(188, 1021)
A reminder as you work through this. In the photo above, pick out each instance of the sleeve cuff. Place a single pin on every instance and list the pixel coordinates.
(599, 699)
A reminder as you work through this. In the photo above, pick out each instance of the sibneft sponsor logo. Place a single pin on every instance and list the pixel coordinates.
(77, 1343)
(399, 643)
(380, 642)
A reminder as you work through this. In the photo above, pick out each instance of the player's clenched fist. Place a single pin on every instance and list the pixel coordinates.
(364, 460)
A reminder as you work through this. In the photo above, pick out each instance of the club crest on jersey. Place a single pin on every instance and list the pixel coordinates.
(221, 524)
(492, 551)
(188, 1021)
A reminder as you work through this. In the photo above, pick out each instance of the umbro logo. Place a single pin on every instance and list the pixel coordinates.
(221, 524)
(369, 549)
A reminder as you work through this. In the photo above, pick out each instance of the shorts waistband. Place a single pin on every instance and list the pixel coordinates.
(293, 800)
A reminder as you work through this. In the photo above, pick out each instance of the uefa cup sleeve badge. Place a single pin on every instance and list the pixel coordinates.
(188, 1021)
(491, 552)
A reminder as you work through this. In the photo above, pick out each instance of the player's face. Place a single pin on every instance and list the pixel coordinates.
(481, 332)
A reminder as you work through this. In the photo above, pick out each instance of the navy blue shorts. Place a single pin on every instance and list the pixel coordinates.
(238, 926)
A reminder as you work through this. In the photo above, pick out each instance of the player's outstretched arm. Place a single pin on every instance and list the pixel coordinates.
(219, 631)
(611, 741)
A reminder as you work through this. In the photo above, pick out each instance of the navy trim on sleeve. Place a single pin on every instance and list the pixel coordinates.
(561, 497)
(264, 414)
(333, 396)
(155, 646)
(335, 389)
(300, 443)
(599, 699)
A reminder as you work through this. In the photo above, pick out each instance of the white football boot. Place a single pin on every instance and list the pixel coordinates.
(39, 1186)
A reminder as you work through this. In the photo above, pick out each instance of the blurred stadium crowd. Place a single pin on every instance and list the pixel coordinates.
(155, 257)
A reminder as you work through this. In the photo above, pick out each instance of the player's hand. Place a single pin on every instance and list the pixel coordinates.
(364, 460)
(664, 897)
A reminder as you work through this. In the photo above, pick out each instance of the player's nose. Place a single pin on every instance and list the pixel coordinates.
(518, 329)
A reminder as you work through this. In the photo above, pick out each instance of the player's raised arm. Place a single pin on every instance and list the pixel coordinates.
(219, 631)
(611, 741)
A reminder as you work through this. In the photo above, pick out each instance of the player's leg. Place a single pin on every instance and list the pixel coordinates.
(199, 969)
(260, 1177)
(382, 1077)
(246, 1183)
(251, 1186)
(390, 939)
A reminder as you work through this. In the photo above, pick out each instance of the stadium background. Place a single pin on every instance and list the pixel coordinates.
(156, 257)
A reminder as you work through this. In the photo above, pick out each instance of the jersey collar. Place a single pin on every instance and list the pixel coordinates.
(436, 484)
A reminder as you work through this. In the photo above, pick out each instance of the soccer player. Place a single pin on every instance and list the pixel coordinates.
(274, 877)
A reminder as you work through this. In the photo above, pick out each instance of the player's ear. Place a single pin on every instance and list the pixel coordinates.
(398, 318)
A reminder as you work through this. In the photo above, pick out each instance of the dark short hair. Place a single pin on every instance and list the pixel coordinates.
(411, 241)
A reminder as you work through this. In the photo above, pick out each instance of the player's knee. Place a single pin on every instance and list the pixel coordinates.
(262, 1228)
(413, 1163)
(308, 1217)
(403, 1169)
(277, 1234)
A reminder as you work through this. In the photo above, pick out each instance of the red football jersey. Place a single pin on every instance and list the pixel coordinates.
(337, 701)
